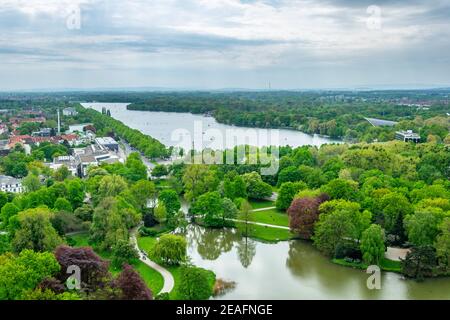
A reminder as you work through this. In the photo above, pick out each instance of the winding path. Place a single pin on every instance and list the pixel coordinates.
(169, 282)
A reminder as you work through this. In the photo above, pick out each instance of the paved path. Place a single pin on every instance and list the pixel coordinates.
(263, 209)
(396, 254)
(260, 224)
(169, 282)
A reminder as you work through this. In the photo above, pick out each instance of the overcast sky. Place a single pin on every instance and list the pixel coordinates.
(293, 44)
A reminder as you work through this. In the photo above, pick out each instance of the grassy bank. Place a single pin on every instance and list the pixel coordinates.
(265, 234)
(259, 204)
(385, 264)
(152, 278)
(147, 244)
(272, 216)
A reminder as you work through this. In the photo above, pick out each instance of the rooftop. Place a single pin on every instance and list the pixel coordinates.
(381, 122)
(8, 180)
(105, 140)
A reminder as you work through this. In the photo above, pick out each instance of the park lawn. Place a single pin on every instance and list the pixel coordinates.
(147, 243)
(266, 234)
(272, 216)
(259, 204)
(152, 278)
(385, 265)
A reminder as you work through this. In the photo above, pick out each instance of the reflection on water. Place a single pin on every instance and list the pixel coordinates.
(293, 270)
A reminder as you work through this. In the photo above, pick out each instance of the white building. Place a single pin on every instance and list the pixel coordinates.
(69, 112)
(108, 143)
(10, 184)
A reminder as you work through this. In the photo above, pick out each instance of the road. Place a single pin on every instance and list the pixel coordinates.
(169, 282)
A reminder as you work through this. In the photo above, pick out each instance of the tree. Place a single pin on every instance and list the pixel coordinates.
(75, 192)
(256, 187)
(287, 192)
(443, 244)
(245, 213)
(8, 210)
(3, 199)
(419, 263)
(159, 171)
(142, 192)
(109, 224)
(340, 221)
(170, 249)
(341, 189)
(230, 211)
(132, 286)
(172, 203)
(123, 252)
(136, 169)
(194, 284)
(289, 174)
(24, 272)
(422, 227)
(209, 206)
(111, 186)
(395, 207)
(197, 180)
(84, 213)
(161, 212)
(31, 183)
(36, 231)
(61, 174)
(303, 215)
(372, 244)
(62, 204)
(94, 270)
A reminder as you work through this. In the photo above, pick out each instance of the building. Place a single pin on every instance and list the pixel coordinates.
(10, 184)
(44, 132)
(108, 143)
(4, 148)
(69, 112)
(79, 127)
(407, 136)
(92, 156)
(70, 162)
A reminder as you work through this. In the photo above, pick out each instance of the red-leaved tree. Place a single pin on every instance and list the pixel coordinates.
(131, 285)
(304, 213)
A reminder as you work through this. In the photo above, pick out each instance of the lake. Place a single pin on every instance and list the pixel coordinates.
(294, 270)
(181, 129)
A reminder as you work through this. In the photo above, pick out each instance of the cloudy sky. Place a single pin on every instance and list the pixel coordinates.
(293, 44)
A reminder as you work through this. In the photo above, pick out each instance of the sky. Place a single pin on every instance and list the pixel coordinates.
(214, 44)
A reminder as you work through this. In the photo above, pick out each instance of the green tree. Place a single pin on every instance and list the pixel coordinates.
(341, 189)
(287, 192)
(136, 169)
(142, 192)
(123, 252)
(161, 213)
(159, 171)
(209, 206)
(170, 249)
(24, 272)
(372, 244)
(8, 210)
(420, 262)
(172, 204)
(230, 211)
(422, 227)
(256, 187)
(395, 207)
(31, 183)
(111, 186)
(194, 284)
(36, 231)
(63, 204)
(443, 244)
(61, 174)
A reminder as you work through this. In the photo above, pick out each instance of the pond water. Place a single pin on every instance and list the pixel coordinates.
(181, 129)
(294, 270)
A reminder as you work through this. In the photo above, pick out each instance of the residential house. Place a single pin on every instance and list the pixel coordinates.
(10, 184)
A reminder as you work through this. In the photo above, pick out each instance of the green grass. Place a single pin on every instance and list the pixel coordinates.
(146, 244)
(272, 216)
(259, 204)
(385, 265)
(266, 234)
(152, 278)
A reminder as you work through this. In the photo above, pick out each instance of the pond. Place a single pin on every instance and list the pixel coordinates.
(294, 270)
(181, 129)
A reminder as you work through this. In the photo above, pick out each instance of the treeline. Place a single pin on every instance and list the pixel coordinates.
(312, 113)
(149, 146)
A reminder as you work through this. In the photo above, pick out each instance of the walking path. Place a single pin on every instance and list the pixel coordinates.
(260, 224)
(263, 209)
(169, 282)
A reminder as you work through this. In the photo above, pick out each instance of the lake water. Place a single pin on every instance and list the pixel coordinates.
(181, 129)
(294, 270)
